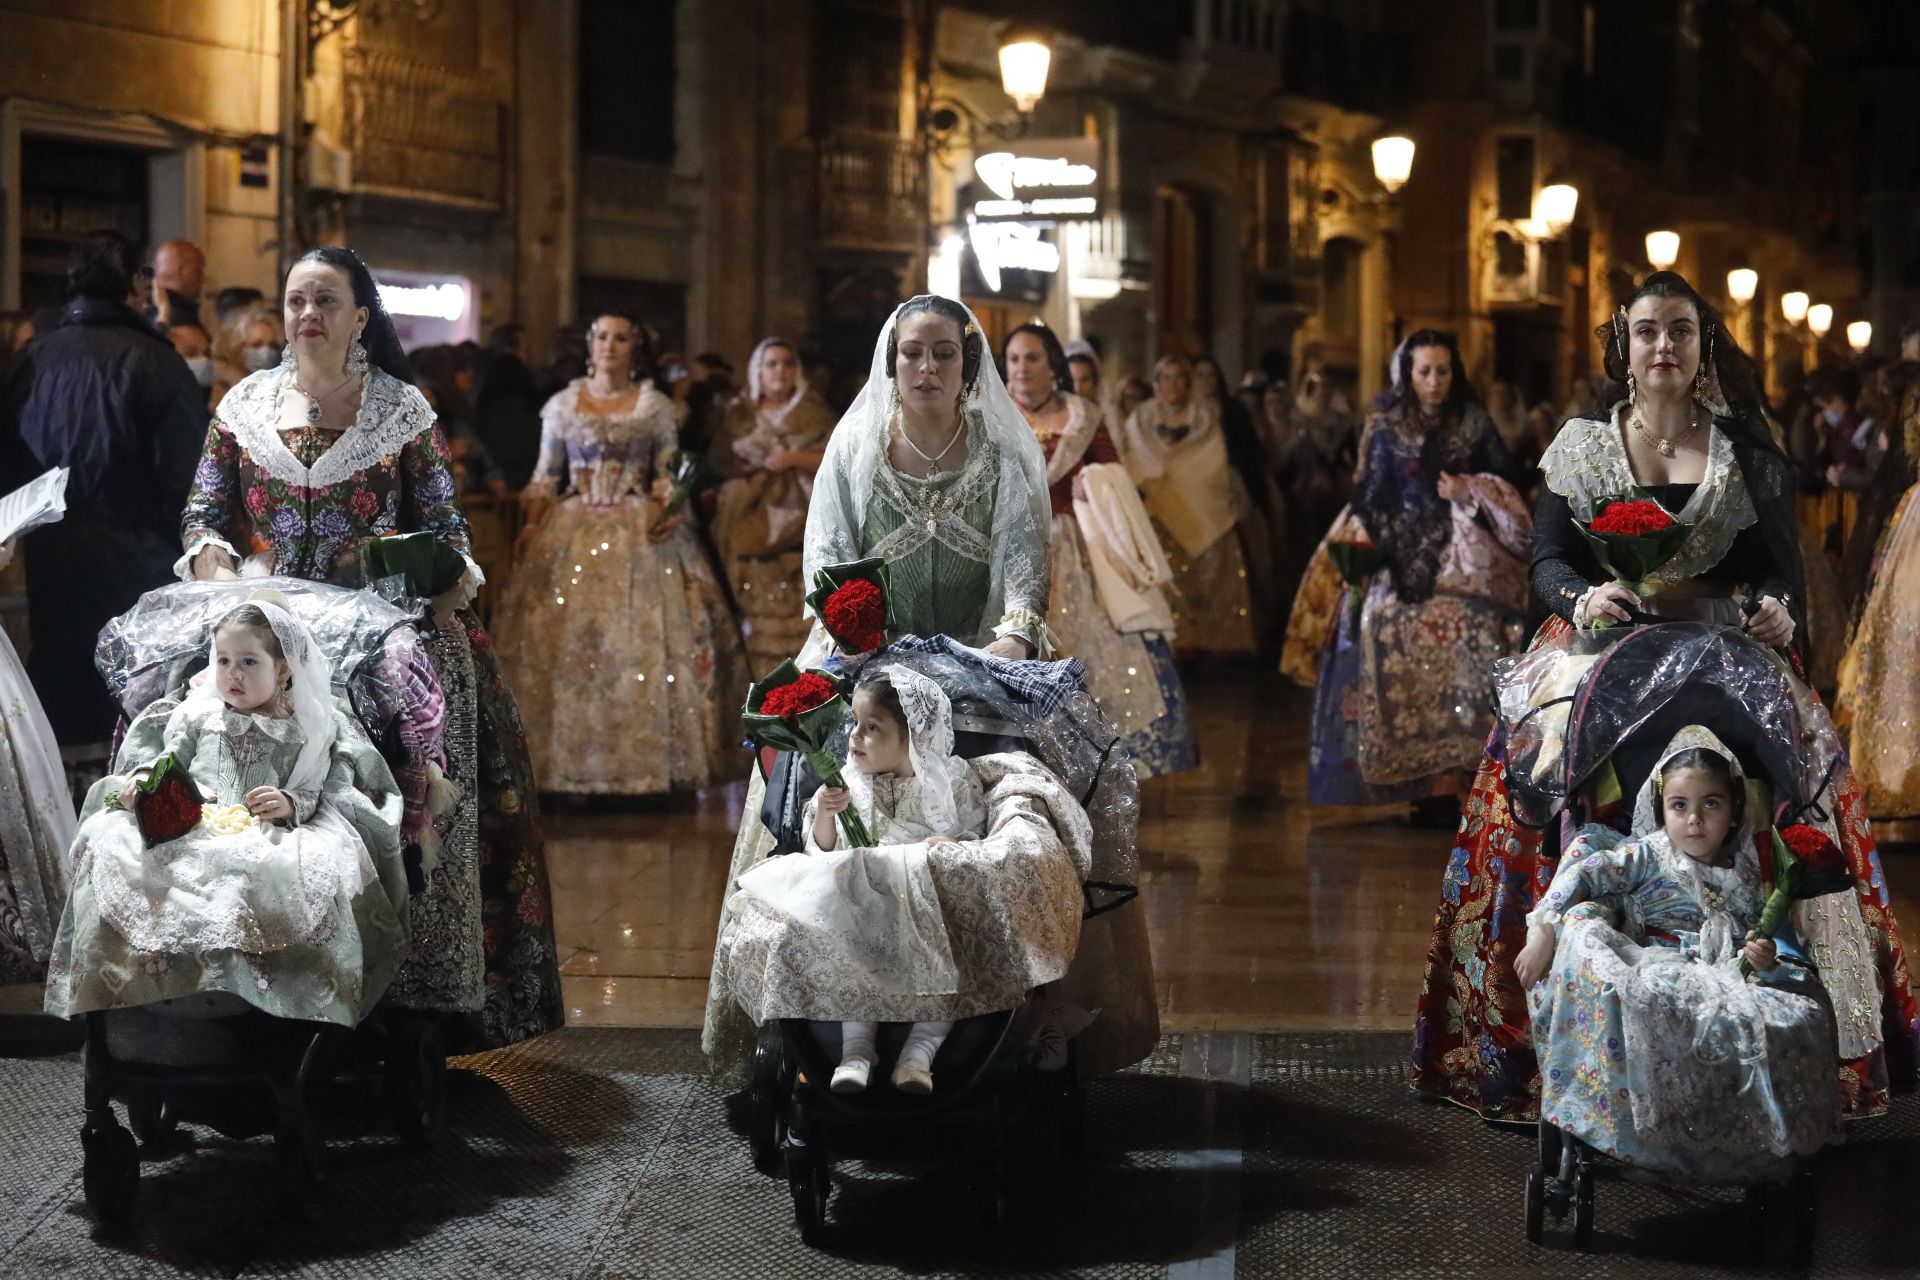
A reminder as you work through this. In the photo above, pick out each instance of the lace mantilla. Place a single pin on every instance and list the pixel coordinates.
(938, 512)
(1588, 462)
(392, 415)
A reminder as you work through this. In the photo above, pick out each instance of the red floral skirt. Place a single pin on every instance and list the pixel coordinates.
(1471, 1040)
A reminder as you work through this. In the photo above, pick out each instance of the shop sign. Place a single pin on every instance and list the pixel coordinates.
(1039, 180)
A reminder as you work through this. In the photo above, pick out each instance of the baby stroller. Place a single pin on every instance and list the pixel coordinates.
(1591, 715)
(205, 1056)
(990, 1065)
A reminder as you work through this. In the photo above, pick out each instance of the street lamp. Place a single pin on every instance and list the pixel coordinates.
(1393, 161)
(1555, 205)
(1742, 284)
(1819, 319)
(1860, 335)
(1793, 306)
(1026, 55)
(1663, 249)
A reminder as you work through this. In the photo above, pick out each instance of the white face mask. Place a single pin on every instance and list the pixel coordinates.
(258, 358)
(202, 367)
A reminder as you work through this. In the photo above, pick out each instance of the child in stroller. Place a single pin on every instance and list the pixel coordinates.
(288, 891)
(970, 931)
(1672, 1036)
(257, 950)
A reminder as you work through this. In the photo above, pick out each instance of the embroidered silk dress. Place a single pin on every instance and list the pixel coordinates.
(1657, 1051)
(1472, 1041)
(1401, 701)
(1131, 672)
(36, 826)
(624, 651)
(305, 502)
(761, 516)
(1197, 502)
(301, 921)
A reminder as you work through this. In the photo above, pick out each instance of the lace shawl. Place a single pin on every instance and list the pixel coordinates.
(1587, 462)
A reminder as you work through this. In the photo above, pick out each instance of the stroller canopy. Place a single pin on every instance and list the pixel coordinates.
(1569, 709)
(152, 649)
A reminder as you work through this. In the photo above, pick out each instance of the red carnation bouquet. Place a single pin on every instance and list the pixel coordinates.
(169, 805)
(1806, 864)
(795, 710)
(1633, 537)
(851, 602)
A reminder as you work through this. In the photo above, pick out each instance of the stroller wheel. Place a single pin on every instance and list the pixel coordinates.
(1583, 1207)
(810, 1185)
(1073, 1115)
(1549, 1145)
(766, 1100)
(1536, 1205)
(151, 1117)
(1805, 1214)
(110, 1173)
(301, 1179)
(417, 1078)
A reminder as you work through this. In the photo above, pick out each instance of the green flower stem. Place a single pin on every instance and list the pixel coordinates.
(828, 767)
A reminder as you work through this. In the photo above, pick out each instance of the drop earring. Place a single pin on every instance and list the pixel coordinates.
(356, 356)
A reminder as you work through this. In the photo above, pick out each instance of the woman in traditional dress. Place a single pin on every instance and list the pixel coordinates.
(615, 628)
(1880, 677)
(772, 440)
(1262, 536)
(1400, 708)
(934, 470)
(1175, 451)
(1685, 425)
(36, 821)
(305, 464)
(1115, 622)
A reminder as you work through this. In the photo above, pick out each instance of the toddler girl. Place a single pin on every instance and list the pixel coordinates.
(882, 908)
(1654, 1048)
(290, 891)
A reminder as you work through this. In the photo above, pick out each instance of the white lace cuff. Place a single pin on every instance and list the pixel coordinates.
(1542, 915)
(305, 805)
(461, 593)
(183, 567)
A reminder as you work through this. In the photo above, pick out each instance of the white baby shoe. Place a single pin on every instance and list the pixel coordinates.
(851, 1076)
(911, 1075)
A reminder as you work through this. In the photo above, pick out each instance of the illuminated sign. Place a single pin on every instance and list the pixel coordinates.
(1010, 246)
(433, 301)
(1039, 180)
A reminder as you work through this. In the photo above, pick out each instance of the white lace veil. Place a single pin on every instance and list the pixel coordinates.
(312, 679)
(929, 715)
(753, 375)
(1646, 806)
(858, 449)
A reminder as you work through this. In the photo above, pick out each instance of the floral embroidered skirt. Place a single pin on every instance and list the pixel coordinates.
(1472, 1040)
(1333, 762)
(1212, 607)
(625, 655)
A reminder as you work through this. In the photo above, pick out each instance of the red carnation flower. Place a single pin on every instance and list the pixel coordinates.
(1632, 519)
(1812, 846)
(803, 695)
(856, 615)
(169, 811)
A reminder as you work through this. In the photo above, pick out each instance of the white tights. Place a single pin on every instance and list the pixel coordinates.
(923, 1041)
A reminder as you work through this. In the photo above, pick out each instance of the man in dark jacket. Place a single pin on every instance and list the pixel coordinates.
(105, 395)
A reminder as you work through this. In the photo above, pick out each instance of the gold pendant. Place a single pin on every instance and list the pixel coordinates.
(1665, 447)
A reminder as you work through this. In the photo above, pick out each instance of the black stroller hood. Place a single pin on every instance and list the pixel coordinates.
(1648, 685)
